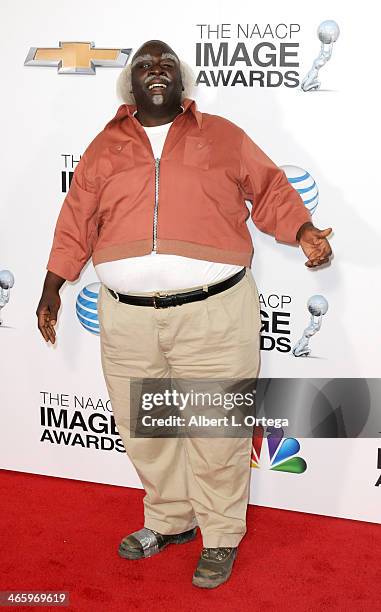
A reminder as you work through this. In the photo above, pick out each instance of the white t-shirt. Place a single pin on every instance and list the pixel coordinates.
(160, 271)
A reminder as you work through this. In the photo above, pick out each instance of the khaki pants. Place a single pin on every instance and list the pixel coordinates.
(188, 481)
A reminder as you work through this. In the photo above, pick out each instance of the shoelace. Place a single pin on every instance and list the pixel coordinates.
(215, 553)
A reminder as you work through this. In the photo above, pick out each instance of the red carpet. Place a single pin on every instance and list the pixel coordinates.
(59, 534)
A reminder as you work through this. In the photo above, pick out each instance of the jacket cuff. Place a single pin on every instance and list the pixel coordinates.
(68, 270)
(287, 230)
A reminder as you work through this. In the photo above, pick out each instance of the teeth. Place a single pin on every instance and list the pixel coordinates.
(156, 85)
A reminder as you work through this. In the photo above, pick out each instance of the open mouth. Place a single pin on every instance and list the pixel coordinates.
(157, 87)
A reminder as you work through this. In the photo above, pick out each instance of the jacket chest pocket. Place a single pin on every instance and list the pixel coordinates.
(121, 156)
(197, 152)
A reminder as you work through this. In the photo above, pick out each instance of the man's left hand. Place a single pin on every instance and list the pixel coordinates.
(314, 244)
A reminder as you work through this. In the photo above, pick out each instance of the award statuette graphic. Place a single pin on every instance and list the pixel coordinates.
(317, 306)
(7, 281)
(328, 33)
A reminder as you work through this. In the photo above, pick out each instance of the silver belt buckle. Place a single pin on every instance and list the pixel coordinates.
(155, 295)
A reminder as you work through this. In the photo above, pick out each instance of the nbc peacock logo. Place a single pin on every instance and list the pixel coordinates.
(281, 455)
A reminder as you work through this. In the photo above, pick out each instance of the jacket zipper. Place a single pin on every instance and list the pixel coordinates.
(157, 173)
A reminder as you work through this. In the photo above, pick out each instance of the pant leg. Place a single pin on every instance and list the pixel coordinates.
(130, 338)
(216, 338)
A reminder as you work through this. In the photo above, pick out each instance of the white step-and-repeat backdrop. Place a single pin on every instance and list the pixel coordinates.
(254, 65)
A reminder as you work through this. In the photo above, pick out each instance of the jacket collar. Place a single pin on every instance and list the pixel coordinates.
(127, 110)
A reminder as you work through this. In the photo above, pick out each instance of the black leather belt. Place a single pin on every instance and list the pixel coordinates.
(176, 299)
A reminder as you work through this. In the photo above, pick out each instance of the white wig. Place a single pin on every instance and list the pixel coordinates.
(124, 85)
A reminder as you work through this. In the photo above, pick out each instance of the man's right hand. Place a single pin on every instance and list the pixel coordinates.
(49, 305)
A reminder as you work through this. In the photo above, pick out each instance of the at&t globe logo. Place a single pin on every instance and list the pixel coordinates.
(304, 184)
(87, 308)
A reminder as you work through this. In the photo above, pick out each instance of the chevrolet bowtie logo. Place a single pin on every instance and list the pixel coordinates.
(77, 57)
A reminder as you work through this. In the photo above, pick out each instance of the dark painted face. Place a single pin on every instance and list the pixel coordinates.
(156, 78)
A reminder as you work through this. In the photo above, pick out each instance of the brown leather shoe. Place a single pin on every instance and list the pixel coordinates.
(214, 567)
(147, 542)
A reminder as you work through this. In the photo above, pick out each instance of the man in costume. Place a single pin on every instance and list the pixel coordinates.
(158, 202)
